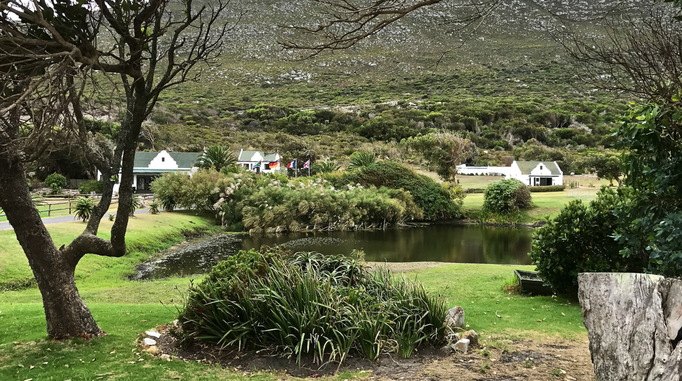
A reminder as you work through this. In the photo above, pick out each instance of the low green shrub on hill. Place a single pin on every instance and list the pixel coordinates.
(310, 305)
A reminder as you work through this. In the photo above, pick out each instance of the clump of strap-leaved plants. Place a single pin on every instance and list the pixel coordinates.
(310, 305)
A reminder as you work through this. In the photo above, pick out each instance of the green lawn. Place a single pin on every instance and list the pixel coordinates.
(480, 182)
(125, 309)
(545, 204)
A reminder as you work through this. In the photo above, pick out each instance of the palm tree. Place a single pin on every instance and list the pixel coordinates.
(326, 167)
(362, 159)
(216, 157)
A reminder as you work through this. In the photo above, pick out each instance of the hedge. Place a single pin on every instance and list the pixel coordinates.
(548, 188)
(474, 190)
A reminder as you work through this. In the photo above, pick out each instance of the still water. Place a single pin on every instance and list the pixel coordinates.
(441, 243)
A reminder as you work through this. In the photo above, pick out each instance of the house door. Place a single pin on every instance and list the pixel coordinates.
(141, 183)
(546, 181)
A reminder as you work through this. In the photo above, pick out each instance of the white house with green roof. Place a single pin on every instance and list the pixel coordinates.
(150, 165)
(259, 162)
(531, 173)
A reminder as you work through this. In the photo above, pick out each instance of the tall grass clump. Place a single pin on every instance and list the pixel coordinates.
(307, 304)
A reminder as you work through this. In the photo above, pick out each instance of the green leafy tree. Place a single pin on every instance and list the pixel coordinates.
(444, 151)
(149, 47)
(652, 138)
(56, 182)
(216, 157)
(607, 165)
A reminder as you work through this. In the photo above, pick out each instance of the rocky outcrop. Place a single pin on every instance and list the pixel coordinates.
(633, 322)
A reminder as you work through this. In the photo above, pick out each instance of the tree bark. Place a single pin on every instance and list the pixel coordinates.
(633, 322)
(65, 312)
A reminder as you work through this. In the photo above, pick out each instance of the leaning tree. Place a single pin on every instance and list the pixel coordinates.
(49, 49)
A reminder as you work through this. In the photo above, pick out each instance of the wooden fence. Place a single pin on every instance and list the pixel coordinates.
(50, 208)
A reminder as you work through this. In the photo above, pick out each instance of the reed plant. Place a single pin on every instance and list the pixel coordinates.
(310, 305)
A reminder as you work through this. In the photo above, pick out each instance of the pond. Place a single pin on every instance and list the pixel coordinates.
(440, 243)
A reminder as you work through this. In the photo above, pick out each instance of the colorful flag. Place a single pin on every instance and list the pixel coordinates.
(292, 164)
(258, 165)
(306, 164)
(273, 164)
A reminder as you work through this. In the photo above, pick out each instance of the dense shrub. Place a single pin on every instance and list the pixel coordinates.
(310, 304)
(580, 239)
(436, 200)
(245, 200)
(86, 187)
(548, 188)
(56, 182)
(505, 197)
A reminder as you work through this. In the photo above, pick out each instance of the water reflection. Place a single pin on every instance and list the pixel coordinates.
(442, 243)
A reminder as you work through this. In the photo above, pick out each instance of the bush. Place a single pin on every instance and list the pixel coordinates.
(89, 186)
(310, 304)
(474, 190)
(548, 188)
(83, 208)
(56, 182)
(434, 199)
(580, 239)
(506, 197)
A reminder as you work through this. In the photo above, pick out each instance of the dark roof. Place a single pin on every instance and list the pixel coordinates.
(185, 160)
(142, 159)
(527, 166)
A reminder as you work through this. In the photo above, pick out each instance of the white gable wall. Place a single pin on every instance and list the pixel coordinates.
(163, 161)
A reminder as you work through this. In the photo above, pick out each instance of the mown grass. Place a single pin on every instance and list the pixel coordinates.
(166, 228)
(545, 204)
(125, 309)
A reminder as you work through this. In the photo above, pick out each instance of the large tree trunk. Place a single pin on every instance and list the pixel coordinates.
(634, 325)
(65, 312)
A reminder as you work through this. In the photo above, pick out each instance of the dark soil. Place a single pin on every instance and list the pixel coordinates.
(545, 359)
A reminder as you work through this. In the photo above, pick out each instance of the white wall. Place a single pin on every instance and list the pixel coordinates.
(482, 171)
(163, 161)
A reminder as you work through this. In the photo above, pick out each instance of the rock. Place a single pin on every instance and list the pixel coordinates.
(153, 350)
(455, 318)
(148, 341)
(153, 334)
(472, 336)
(462, 346)
(630, 319)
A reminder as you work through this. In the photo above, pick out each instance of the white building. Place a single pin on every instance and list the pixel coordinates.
(150, 165)
(269, 163)
(531, 173)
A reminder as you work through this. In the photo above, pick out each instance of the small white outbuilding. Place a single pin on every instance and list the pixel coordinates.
(531, 173)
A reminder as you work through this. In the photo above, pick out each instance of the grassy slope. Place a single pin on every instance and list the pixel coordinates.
(166, 227)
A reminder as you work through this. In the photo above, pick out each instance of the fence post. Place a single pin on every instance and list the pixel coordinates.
(49, 209)
(69, 206)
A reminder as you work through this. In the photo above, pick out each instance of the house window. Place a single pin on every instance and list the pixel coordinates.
(541, 167)
(163, 159)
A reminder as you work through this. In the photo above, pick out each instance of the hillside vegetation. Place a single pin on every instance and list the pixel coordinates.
(502, 85)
